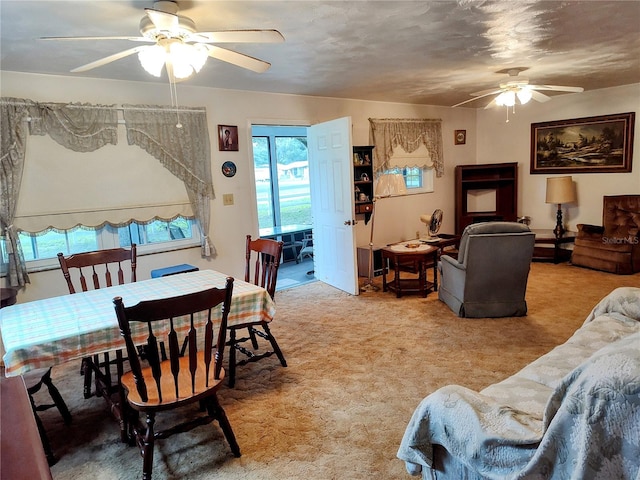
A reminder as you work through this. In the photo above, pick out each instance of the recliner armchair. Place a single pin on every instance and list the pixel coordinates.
(489, 277)
(615, 246)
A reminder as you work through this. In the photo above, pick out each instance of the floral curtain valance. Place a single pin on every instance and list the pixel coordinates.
(409, 133)
(183, 151)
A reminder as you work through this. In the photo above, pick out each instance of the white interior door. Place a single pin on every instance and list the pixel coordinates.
(332, 204)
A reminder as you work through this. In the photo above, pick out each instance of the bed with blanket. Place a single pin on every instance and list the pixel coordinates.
(573, 413)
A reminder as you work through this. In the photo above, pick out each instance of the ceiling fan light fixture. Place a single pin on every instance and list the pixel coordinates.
(186, 59)
(506, 99)
(183, 58)
(524, 95)
(153, 59)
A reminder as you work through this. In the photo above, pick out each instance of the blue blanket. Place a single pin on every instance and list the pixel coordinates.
(572, 414)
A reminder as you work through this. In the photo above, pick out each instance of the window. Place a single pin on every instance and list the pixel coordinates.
(281, 168)
(417, 179)
(47, 245)
(40, 250)
(155, 232)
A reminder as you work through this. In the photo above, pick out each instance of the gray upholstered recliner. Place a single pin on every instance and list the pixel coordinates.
(489, 277)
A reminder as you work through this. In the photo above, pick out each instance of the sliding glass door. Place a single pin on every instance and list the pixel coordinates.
(282, 176)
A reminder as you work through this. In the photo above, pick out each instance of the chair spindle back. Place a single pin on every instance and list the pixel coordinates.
(87, 262)
(266, 264)
(161, 316)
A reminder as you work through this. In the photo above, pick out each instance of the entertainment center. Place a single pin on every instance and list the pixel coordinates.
(486, 192)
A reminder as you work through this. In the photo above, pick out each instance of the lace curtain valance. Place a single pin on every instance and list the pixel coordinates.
(183, 151)
(409, 133)
(181, 143)
(77, 126)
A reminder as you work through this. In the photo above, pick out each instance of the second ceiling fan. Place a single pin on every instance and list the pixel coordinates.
(178, 46)
(517, 89)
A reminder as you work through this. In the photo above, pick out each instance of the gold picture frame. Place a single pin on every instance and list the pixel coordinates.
(602, 144)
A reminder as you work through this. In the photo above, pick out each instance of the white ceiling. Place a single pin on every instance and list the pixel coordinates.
(422, 52)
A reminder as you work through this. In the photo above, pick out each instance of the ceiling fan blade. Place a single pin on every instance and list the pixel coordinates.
(491, 104)
(239, 59)
(109, 59)
(162, 20)
(483, 93)
(557, 88)
(133, 39)
(492, 92)
(238, 36)
(539, 97)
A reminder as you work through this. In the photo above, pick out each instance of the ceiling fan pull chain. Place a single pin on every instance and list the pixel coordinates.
(173, 91)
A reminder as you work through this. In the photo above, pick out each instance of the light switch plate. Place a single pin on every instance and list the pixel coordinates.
(227, 199)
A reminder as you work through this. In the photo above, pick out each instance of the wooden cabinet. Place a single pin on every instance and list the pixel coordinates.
(486, 193)
(363, 179)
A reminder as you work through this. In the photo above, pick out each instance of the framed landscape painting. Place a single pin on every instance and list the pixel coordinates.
(601, 144)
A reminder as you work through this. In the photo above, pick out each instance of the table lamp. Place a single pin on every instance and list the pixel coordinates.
(387, 185)
(560, 190)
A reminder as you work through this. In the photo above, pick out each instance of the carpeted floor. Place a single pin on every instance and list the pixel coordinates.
(358, 366)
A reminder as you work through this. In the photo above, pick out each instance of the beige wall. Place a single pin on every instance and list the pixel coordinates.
(498, 141)
(489, 140)
(398, 218)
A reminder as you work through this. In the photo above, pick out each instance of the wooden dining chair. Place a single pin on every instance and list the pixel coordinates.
(192, 373)
(34, 380)
(90, 271)
(34, 386)
(261, 268)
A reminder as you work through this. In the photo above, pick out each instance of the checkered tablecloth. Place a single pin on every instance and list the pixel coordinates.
(55, 330)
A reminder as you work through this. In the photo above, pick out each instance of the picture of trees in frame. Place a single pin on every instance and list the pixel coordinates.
(602, 144)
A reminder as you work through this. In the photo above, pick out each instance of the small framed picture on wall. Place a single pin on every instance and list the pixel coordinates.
(460, 137)
(228, 138)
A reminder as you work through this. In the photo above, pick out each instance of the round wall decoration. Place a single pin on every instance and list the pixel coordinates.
(228, 169)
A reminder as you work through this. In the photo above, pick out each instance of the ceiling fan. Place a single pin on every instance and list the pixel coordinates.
(517, 88)
(179, 47)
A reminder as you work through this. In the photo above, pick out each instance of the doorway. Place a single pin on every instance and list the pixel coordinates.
(283, 198)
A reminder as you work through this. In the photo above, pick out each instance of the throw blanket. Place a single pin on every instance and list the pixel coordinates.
(583, 425)
(592, 421)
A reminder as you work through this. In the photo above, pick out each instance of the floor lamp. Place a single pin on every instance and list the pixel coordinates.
(560, 190)
(387, 185)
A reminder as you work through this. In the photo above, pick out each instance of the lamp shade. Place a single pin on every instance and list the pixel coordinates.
(560, 190)
(390, 184)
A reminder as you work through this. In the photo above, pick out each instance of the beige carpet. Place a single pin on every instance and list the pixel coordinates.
(358, 366)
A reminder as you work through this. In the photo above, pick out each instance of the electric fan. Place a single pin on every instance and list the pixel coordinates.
(433, 223)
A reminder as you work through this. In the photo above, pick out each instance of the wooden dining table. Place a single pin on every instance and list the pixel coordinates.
(52, 331)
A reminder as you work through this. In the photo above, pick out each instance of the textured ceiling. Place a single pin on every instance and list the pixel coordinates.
(422, 52)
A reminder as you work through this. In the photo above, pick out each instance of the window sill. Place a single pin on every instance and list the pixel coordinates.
(53, 264)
